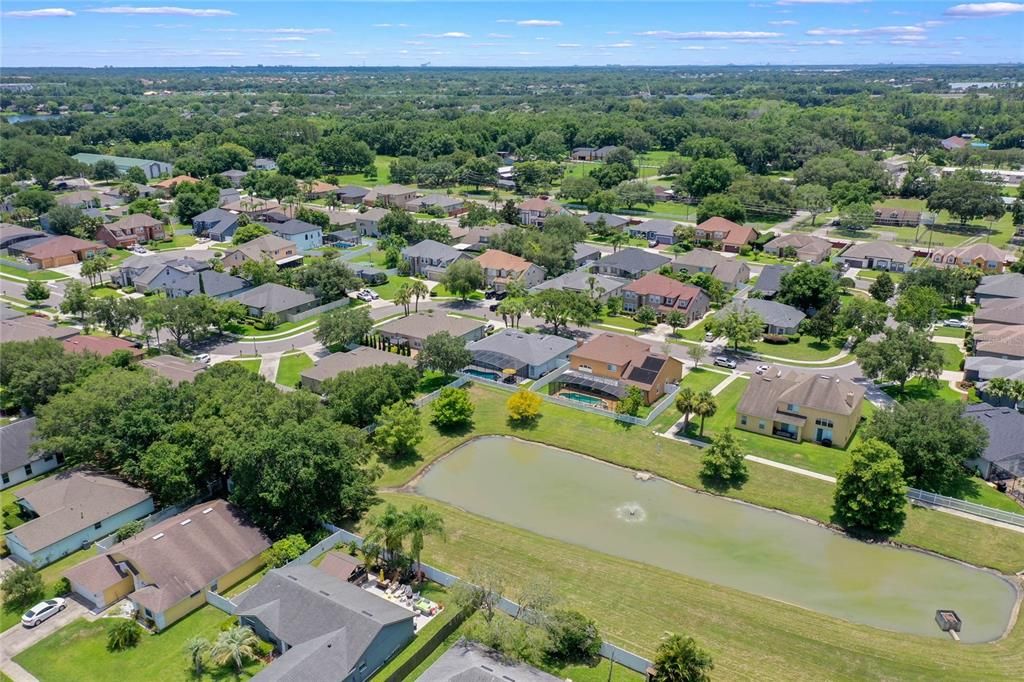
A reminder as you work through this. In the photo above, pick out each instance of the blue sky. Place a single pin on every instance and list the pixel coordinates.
(492, 33)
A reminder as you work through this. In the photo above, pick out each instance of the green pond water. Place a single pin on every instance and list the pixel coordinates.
(571, 498)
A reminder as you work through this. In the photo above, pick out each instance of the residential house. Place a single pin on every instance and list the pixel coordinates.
(251, 206)
(20, 460)
(318, 189)
(322, 627)
(170, 183)
(227, 195)
(467, 661)
(339, 363)
(85, 199)
(665, 295)
(156, 272)
(779, 318)
(54, 252)
(114, 195)
(980, 369)
(174, 369)
(993, 287)
(217, 224)
(30, 328)
(275, 298)
(234, 176)
(596, 286)
(414, 329)
(807, 248)
(611, 221)
(368, 223)
(452, 206)
(501, 268)
(152, 169)
(264, 164)
(663, 193)
(281, 251)
(166, 570)
(896, 217)
(103, 346)
(430, 259)
(351, 194)
(601, 153)
(732, 272)
(131, 230)
(1006, 311)
(536, 210)
(1003, 458)
(770, 280)
(530, 355)
(801, 407)
(210, 283)
(370, 275)
(476, 239)
(725, 234)
(343, 238)
(954, 142)
(337, 218)
(985, 257)
(605, 367)
(304, 235)
(654, 231)
(62, 182)
(70, 510)
(630, 263)
(582, 154)
(878, 256)
(388, 196)
(584, 254)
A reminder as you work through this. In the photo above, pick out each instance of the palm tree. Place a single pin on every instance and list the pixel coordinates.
(495, 198)
(419, 289)
(403, 297)
(617, 240)
(999, 388)
(387, 529)
(197, 648)
(235, 644)
(705, 407)
(153, 320)
(420, 521)
(680, 659)
(512, 309)
(686, 399)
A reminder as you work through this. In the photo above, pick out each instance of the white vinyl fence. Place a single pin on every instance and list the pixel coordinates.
(936, 500)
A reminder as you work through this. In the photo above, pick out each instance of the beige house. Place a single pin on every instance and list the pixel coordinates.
(801, 407)
(166, 570)
(414, 329)
(501, 268)
(985, 257)
(387, 196)
(277, 249)
(808, 248)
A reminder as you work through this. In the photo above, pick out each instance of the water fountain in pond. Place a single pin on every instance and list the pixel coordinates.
(631, 512)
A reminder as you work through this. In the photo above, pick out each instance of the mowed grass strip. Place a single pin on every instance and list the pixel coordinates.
(639, 448)
(750, 637)
(291, 366)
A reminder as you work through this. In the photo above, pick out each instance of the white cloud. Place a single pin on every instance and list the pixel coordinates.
(499, 36)
(784, 22)
(524, 53)
(175, 11)
(568, 46)
(711, 35)
(878, 30)
(382, 25)
(621, 46)
(40, 13)
(830, 42)
(984, 9)
(449, 34)
(413, 42)
(538, 22)
(286, 39)
(283, 31)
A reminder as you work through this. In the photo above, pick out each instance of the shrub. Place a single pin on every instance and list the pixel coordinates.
(21, 586)
(285, 550)
(62, 587)
(574, 637)
(847, 283)
(746, 250)
(129, 529)
(124, 634)
(776, 339)
(452, 408)
(794, 338)
(523, 406)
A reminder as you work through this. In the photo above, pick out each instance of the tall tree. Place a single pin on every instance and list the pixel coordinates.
(870, 493)
(899, 355)
(420, 523)
(883, 288)
(723, 462)
(739, 325)
(463, 277)
(966, 196)
(444, 353)
(704, 406)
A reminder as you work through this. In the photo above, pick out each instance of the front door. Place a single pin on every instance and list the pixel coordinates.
(823, 434)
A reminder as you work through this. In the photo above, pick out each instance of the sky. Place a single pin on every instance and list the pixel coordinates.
(507, 33)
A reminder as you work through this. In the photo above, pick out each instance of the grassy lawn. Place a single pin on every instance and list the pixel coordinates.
(101, 291)
(599, 239)
(749, 637)
(251, 330)
(250, 364)
(948, 230)
(290, 368)
(440, 291)
(807, 348)
(952, 356)
(382, 163)
(50, 575)
(433, 380)
(178, 241)
(41, 275)
(622, 321)
(951, 332)
(78, 651)
(639, 448)
(375, 258)
(922, 389)
(387, 291)
(698, 379)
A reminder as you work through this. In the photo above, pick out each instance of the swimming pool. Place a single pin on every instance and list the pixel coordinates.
(490, 376)
(582, 398)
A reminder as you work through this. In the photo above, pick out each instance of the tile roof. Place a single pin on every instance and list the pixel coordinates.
(539, 205)
(72, 501)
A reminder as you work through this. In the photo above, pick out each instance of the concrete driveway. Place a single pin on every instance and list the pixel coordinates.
(18, 638)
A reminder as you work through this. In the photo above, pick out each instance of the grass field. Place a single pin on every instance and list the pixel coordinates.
(101, 291)
(952, 356)
(178, 241)
(291, 366)
(749, 637)
(41, 275)
(251, 330)
(249, 364)
(78, 651)
(951, 332)
(382, 164)
(922, 389)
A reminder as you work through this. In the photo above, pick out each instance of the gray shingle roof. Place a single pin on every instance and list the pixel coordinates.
(583, 251)
(433, 250)
(1010, 285)
(330, 624)
(610, 219)
(293, 226)
(700, 258)
(823, 392)
(422, 325)
(770, 278)
(273, 298)
(213, 283)
(471, 662)
(775, 314)
(657, 226)
(879, 250)
(579, 280)
(1005, 428)
(635, 260)
(15, 442)
(526, 349)
(357, 358)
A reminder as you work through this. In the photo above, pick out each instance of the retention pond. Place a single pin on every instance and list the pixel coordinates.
(581, 501)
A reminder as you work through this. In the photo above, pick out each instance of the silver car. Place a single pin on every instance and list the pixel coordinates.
(43, 610)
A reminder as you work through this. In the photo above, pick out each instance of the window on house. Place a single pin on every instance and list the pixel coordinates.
(827, 423)
(6, 479)
(792, 408)
(28, 469)
(760, 425)
(613, 368)
(743, 419)
(97, 525)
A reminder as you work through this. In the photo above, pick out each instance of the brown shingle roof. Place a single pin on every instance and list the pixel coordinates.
(100, 345)
(500, 260)
(61, 246)
(654, 284)
(816, 391)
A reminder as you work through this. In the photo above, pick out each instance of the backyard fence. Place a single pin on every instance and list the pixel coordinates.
(935, 500)
(222, 603)
(18, 264)
(625, 658)
(460, 380)
(306, 314)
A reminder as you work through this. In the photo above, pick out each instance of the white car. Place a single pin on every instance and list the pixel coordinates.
(709, 337)
(43, 610)
(761, 369)
(723, 361)
(203, 358)
(954, 323)
(372, 294)
(364, 295)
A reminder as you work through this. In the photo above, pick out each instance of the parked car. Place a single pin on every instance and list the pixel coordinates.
(960, 324)
(371, 293)
(203, 358)
(723, 361)
(761, 369)
(490, 293)
(43, 610)
(709, 337)
(493, 307)
(364, 295)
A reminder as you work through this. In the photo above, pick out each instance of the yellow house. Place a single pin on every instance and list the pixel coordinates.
(801, 407)
(984, 257)
(166, 570)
